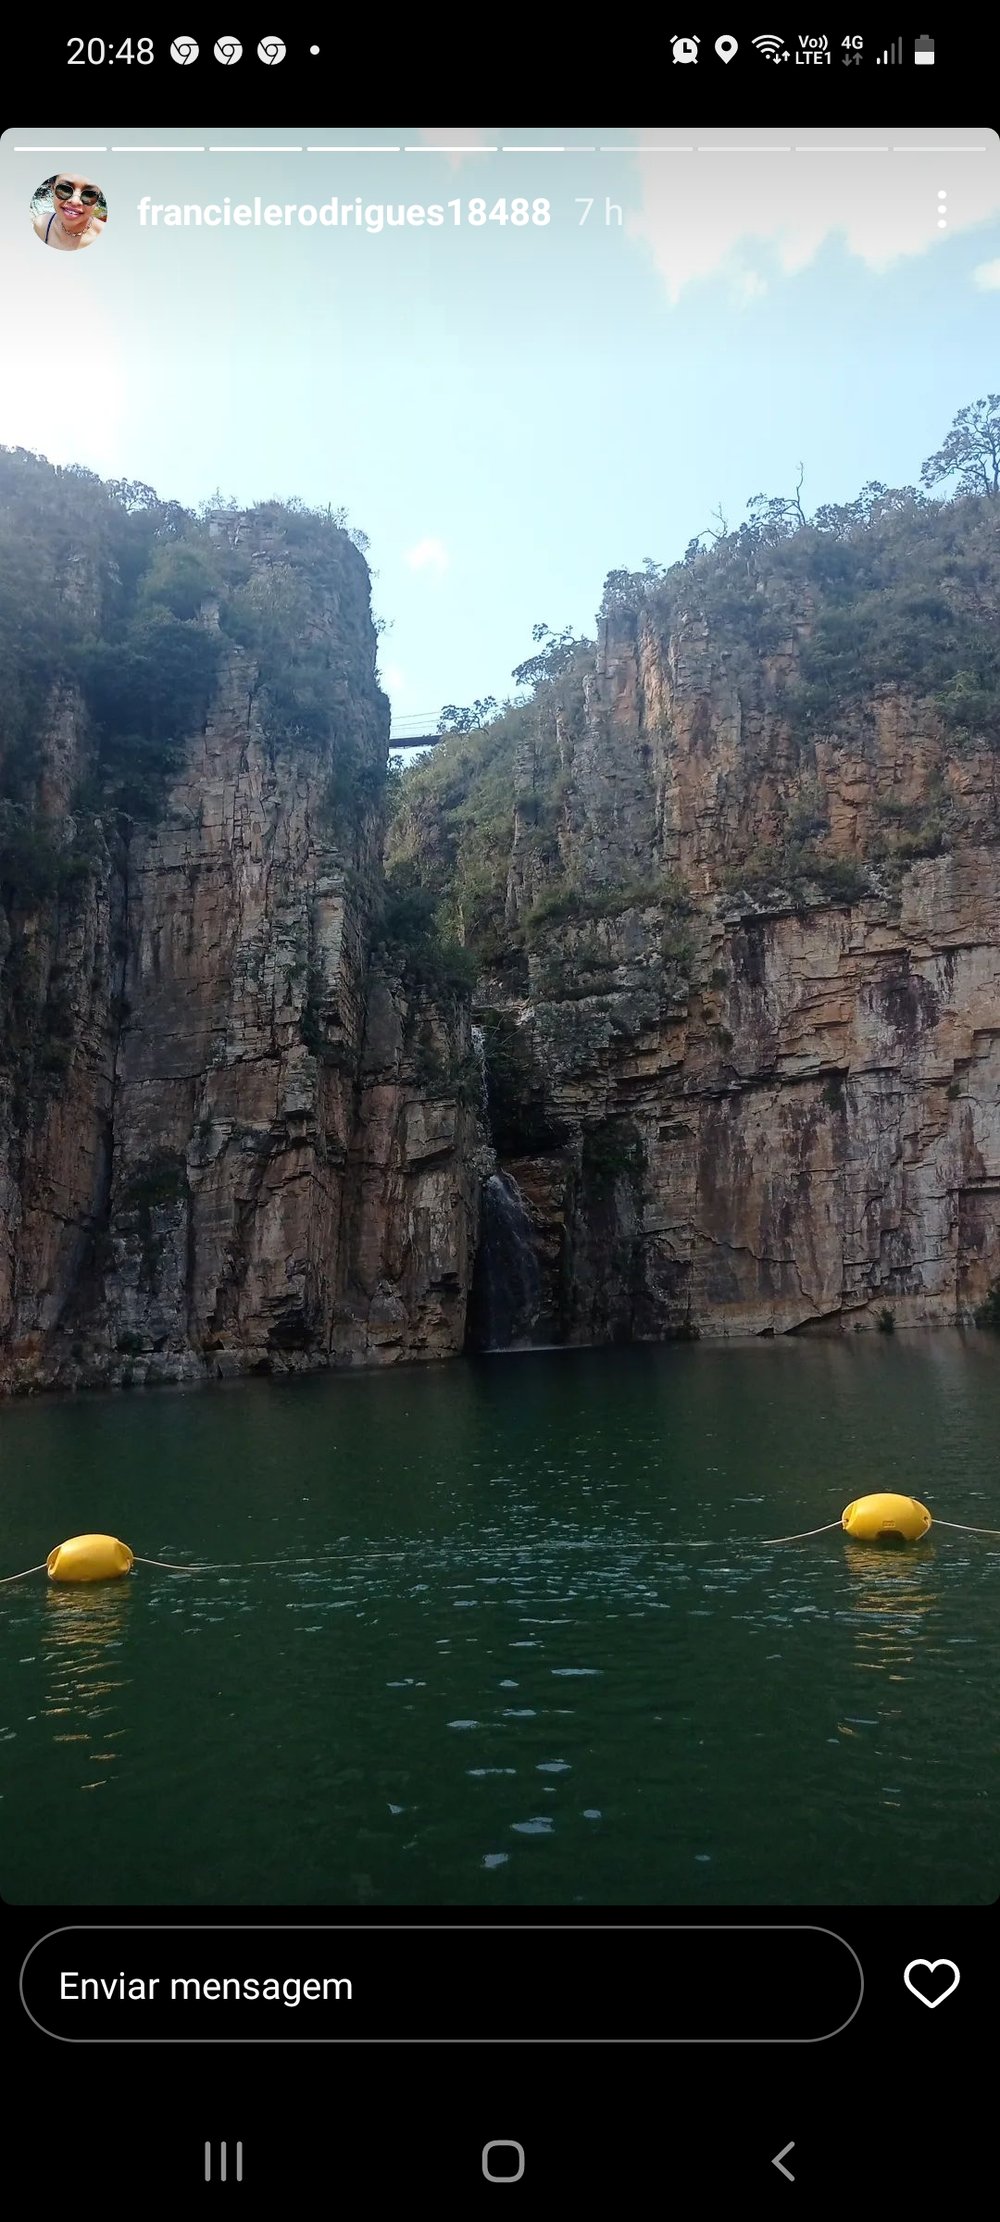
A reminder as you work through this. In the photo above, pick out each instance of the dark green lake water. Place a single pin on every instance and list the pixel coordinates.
(499, 1684)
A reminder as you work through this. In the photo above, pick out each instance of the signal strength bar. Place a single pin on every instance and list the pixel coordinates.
(893, 53)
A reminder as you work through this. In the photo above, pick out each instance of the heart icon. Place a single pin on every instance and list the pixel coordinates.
(928, 1992)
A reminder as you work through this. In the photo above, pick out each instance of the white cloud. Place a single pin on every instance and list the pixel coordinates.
(698, 212)
(458, 144)
(428, 555)
(987, 275)
(748, 286)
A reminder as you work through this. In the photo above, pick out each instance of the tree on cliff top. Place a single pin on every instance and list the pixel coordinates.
(555, 652)
(971, 451)
(455, 718)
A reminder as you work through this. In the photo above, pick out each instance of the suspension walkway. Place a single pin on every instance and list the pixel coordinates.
(414, 731)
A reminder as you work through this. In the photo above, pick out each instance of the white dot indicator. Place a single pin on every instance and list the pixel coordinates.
(314, 50)
(942, 209)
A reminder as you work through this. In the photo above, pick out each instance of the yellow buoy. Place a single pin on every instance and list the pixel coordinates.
(89, 1558)
(886, 1519)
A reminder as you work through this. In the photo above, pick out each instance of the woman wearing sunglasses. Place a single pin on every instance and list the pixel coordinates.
(69, 212)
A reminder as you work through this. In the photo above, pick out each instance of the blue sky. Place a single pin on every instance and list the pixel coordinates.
(509, 412)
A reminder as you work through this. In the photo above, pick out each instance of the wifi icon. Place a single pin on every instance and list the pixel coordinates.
(769, 46)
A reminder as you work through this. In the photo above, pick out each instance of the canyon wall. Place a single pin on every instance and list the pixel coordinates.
(229, 1136)
(744, 1044)
(722, 1052)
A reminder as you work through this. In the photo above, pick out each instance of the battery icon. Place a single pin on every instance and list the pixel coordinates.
(923, 50)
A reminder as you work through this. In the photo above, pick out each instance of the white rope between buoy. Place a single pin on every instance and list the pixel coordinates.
(964, 1530)
(236, 1565)
(239, 1566)
(801, 1538)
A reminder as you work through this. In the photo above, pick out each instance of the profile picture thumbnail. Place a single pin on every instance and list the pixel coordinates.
(68, 211)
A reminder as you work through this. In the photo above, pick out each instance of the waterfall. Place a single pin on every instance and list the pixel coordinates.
(479, 1052)
(506, 1297)
(508, 1290)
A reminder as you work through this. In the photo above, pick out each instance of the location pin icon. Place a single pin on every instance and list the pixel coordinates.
(726, 48)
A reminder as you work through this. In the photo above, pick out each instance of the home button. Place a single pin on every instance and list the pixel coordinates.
(503, 2160)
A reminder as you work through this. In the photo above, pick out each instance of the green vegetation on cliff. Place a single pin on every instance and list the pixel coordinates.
(410, 937)
(99, 602)
(120, 605)
(117, 611)
(818, 621)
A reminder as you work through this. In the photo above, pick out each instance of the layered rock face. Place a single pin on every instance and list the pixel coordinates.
(751, 1108)
(231, 1142)
(736, 1061)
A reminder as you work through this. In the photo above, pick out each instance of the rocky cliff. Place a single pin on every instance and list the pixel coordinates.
(671, 1005)
(233, 1134)
(741, 945)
